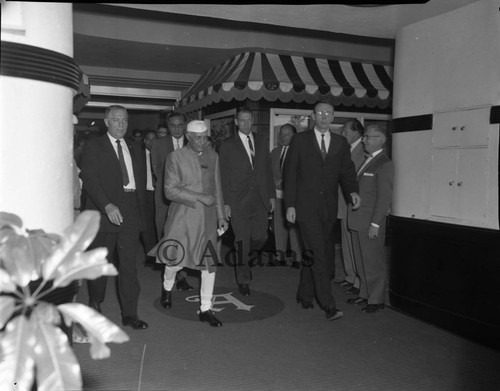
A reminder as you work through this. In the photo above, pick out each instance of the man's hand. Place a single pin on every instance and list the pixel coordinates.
(227, 211)
(290, 215)
(207, 199)
(272, 203)
(356, 201)
(223, 223)
(373, 232)
(113, 214)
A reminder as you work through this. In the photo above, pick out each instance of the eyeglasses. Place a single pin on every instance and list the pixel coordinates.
(324, 113)
(369, 136)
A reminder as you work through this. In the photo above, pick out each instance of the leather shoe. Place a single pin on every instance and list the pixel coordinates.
(372, 308)
(244, 289)
(209, 317)
(357, 301)
(346, 283)
(96, 306)
(183, 285)
(352, 291)
(305, 304)
(334, 314)
(295, 265)
(166, 298)
(134, 322)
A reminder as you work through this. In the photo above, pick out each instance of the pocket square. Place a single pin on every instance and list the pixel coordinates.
(368, 174)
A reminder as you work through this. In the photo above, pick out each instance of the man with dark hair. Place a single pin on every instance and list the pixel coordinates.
(367, 224)
(160, 149)
(248, 189)
(113, 176)
(352, 131)
(283, 231)
(318, 161)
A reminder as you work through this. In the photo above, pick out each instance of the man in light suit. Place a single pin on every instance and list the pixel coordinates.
(318, 161)
(114, 179)
(282, 229)
(368, 223)
(160, 149)
(353, 131)
(248, 190)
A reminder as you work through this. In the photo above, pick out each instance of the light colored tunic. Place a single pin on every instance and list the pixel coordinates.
(190, 223)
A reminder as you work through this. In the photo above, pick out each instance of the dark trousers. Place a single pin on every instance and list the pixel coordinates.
(149, 236)
(319, 265)
(125, 242)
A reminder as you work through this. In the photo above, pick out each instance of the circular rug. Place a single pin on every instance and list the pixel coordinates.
(229, 306)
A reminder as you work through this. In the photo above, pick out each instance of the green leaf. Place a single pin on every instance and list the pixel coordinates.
(17, 344)
(7, 308)
(10, 220)
(6, 283)
(88, 265)
(75, 240)
(100, 330)
(56, 365)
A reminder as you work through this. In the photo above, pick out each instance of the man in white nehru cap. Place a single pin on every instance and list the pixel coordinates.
(193, 184)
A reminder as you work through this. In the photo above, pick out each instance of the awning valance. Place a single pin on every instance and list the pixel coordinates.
(257, 75)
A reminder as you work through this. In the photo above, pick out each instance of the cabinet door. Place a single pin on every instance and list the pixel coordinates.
(445, 129)
(472, 184)
(473, 127)
(443, 182)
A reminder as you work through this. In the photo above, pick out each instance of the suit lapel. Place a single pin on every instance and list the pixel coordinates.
(109, 150)
(373, 163)
(314, 141)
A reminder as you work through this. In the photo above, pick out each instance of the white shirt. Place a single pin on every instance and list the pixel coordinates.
(149, 176)
(244, 139)
(327, 138)
(178, 142)
(127, 158)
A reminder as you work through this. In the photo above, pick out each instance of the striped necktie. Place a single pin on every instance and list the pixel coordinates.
(252, 151)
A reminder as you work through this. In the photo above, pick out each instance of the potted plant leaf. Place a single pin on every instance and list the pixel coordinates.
(38, 275)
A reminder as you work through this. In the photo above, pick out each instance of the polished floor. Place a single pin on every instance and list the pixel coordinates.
(268, 342)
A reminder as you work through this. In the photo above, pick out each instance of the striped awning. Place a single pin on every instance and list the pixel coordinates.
(257, 75)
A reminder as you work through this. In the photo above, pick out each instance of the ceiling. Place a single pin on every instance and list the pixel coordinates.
(146, 55)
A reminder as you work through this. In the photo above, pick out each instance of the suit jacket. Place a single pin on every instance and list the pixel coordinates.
(102, 178)
(311, 184)
(160, 149)
(357, 157)
(275, 164)
(237, 174)
(375, 187)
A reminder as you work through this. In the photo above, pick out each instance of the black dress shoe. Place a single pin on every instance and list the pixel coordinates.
(334, 314)
(305, 304)
(134, 322)
(372, 308)
(244, 289)
(209, 317)
(346, 284)
(295, 265)
(96, 306)
(166, 298)
(352, 291)
(357, 301)
(183, 285)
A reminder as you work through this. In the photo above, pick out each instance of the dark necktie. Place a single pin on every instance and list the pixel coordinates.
(252, 151)
(323, 147)
(282, 158)
(122, 163)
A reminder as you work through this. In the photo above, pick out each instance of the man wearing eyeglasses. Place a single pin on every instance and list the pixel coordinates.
(367, 224)
(318, 161)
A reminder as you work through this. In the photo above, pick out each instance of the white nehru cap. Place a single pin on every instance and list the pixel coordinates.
(197, 127)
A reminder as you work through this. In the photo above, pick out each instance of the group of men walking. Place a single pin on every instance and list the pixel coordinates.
(198, 191)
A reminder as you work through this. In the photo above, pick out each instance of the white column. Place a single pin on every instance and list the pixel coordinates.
(36, 136)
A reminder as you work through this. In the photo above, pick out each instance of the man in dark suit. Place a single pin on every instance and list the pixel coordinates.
(160, 149)
(282, 229)
(353, 131)
(114, 180)
(368, 223)
(318, 161)
(248, 189)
